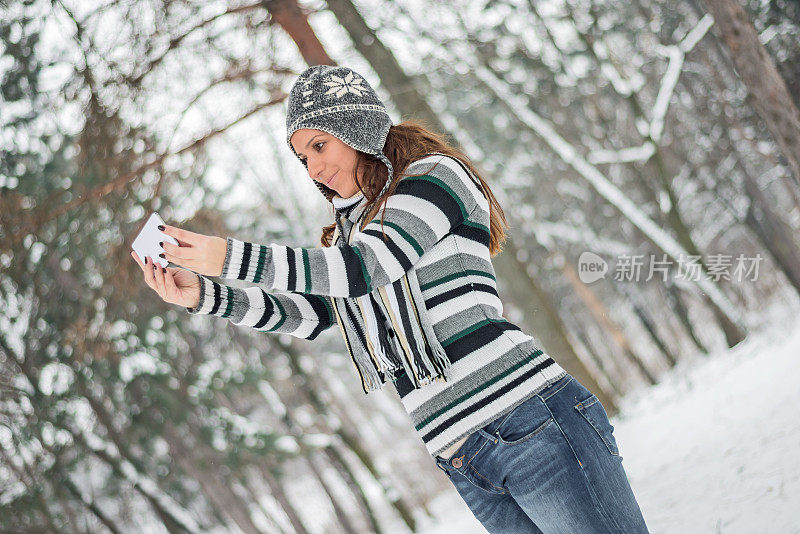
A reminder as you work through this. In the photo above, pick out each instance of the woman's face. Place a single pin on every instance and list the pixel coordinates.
(329, 160)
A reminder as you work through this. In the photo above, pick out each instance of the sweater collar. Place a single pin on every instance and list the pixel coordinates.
(350, 207)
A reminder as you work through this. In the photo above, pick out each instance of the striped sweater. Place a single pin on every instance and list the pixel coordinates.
(439, 223)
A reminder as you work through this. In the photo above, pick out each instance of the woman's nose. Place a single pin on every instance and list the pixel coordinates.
(315, 171)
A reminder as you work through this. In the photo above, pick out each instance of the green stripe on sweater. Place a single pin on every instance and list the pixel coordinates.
(307, 270)
(466, 331)
(262, 253)
(229, 304)
(477, 390)
(455, 276)
(406, 235)
(477, 225)
(363, 269)
(443, 185)
(282, 313)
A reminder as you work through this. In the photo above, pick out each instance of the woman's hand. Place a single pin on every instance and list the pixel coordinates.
(200, 253)
(173, 285)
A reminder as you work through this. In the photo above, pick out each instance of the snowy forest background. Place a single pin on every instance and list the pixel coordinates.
(647, 127)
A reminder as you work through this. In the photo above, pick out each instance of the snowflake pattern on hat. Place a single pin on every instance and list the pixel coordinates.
(341, 102)
(339, 86)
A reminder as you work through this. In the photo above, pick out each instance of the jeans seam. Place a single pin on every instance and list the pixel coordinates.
(479, 450)
(605, 441)
(499, 488)
(592, 400)
(523, 439)
(595, 500)
(446, 472)
(469, 464)
(551, 393)
(506, 418)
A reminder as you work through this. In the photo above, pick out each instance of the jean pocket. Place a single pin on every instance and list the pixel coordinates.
(593, 412)
(524, 422)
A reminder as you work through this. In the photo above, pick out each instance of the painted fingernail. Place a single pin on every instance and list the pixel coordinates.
(164, 269)
(161, 227)
(146, 259)
(162, 255)
(161, 244)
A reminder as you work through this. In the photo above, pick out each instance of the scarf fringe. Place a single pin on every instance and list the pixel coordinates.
(369, 380)
(438, 359)
(388, 347)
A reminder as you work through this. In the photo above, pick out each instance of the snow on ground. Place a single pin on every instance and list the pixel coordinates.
(712, 448)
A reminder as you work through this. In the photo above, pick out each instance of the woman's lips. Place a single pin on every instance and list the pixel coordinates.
(332, 177)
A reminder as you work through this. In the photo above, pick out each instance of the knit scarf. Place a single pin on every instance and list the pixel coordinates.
(388, 330)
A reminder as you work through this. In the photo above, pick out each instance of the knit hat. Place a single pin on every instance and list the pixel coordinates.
(339, 101)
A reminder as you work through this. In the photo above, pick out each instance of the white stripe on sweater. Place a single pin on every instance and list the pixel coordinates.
(478, 418)
(334, 263)
(463, 367)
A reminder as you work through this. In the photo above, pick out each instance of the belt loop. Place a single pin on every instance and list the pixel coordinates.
(446, 472)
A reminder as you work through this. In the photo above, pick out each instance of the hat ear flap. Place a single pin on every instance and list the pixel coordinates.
(327, 192)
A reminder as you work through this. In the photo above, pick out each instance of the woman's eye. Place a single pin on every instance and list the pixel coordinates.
(319, 144)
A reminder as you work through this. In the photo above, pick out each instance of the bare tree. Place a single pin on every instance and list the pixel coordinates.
(769, 94)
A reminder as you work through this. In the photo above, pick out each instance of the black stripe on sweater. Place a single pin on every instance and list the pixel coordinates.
(450, 294)
(292, 275)
(438, 196)
(455, 418)
(479, 235)
(320, 308)
(246, 252)
(391, 245)
(356, 279)
(458, 349)
(317, 330)
(473, 341)
(217, 298)
(269, 309)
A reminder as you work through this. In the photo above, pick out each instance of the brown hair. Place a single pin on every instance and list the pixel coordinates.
(407, 142)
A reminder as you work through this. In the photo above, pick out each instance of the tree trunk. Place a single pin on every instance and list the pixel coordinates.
(341, 515)
(253, 493)
(29, 480)
(777, 235)
(277, 492)
(600, 362)
(338, 462)
(547, 325)
(675, 301)
(767, 90)
(217, 492)
(733, 333)
(773, 232)
(649, 323)
(350, 439)
(601, 315)
(92, 507)
(294, 22)
(402, 88)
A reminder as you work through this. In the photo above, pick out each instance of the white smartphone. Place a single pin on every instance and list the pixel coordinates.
(146, 243)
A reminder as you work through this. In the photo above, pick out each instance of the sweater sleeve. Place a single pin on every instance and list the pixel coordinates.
(422, 210)
(303, 316)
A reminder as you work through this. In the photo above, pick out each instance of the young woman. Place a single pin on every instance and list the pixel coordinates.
(405, 273)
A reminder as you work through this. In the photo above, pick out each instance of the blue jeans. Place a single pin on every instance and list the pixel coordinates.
(550, 465)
